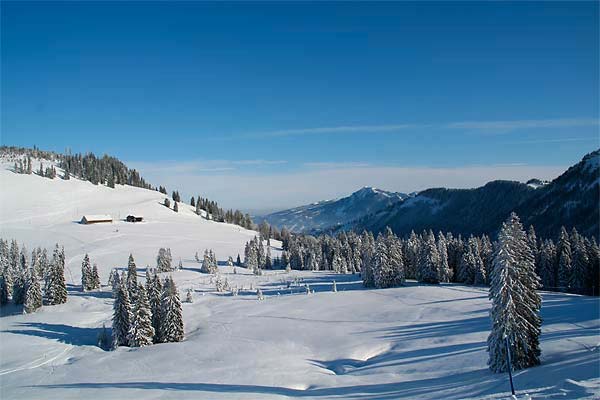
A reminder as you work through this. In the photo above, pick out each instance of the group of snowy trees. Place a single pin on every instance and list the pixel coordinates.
(106, 170)
(164, 260)
(258, 256)
(216, 213)
(90, 279)
(145, 314)
(209, 262)
(31, 279)
(572, 265)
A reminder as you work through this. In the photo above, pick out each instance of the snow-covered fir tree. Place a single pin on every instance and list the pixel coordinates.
(444, 272)
(33, 295)
(171, 327)
(563, 252)
(154, 290)
(429, 261)
(546, 264)
(122, 316)
(164, 260)
(57, 288)
(132, 283)
(578, 280)
(95, 277)
(209, 263)
(115, 282)
(515, 302)
(86, 273)
(141, 332)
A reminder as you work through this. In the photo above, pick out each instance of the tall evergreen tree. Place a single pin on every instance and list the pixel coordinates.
(579, 279)
(57, 287)
(515, 302)
(95, 277)
(86, 274)
(33, 296)
(122, 316)
(429, 261)
(171, 328)
(563, 252)
(131, 275)
(141, 332)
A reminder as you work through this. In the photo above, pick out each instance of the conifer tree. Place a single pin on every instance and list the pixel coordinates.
(57, 288)
(131, 275)
(515, 302)
(115, 283)
(579, 280)
(141, 332)
(564, 260)
(164, 260)
(95, 277)
(171, 328)
(444, 269)
(86, 274)
(122, 316)
(33, 296)
(547, 256)
(429, 261)
(154, 290)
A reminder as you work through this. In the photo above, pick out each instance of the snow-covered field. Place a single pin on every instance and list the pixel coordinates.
(416, 341)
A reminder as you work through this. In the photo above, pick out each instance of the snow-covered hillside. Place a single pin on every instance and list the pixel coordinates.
(39, 211)
(417, 341)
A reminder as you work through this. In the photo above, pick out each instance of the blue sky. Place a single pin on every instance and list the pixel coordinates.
(307, 101)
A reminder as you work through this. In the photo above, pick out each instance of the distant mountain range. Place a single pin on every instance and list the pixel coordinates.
(572, 200)
(330, 214)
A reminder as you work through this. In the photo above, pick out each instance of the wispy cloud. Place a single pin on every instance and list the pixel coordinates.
(509, 126)
(484, 127)
(201, 166)
(559, 140)
(326, 165)
(338, 130)
(259, 162)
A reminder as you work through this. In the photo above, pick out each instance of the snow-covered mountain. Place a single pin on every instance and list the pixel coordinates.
(330, 213)
(572, 200)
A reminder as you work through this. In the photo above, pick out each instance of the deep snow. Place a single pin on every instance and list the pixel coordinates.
(416, 341)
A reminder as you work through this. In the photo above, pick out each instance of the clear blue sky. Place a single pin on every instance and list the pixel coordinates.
(222, 94)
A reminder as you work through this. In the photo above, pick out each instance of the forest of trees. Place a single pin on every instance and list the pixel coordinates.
(31, 279)
(572, 264)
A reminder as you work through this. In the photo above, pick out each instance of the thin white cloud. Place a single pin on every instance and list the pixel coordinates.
(559, 140)
(338, 130)
(326, 165)
(509, 126)
(259, 162)
(199, 166)
(485, 127)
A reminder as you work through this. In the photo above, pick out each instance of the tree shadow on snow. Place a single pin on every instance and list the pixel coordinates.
(459, 383)
(72, 335)
(10, 309)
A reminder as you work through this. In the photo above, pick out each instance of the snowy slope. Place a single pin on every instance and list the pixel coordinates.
(41, 212)
(331, 213)
(417, 341)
